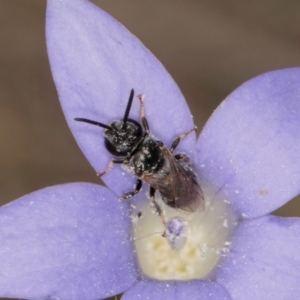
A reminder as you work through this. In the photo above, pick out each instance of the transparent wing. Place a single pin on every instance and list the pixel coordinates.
(177, 184)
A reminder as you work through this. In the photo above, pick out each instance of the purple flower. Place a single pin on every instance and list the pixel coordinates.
(73, 241)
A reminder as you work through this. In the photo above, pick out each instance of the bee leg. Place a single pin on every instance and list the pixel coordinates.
(111, 164)
(157, 207)
(128, 195)
(177, 140)
(142, 113)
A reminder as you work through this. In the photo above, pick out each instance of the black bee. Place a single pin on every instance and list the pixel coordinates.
(151, 161)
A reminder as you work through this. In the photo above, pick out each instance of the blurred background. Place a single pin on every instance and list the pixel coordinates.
(209, 47)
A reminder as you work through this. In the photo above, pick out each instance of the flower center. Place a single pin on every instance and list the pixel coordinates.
(204, 241)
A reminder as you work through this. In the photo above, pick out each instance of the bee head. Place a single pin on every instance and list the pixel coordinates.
(123, 137)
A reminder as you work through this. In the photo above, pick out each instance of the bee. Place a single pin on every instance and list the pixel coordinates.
(131, 144)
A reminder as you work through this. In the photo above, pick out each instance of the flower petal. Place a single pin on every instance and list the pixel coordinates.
(95, 63)
(177, 290)
(250, 147)
(264, 262)
(69, 241)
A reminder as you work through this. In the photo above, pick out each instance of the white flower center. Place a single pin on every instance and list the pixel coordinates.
(205, 242)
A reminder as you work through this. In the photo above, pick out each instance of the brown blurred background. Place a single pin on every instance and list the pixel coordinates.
(209, 47)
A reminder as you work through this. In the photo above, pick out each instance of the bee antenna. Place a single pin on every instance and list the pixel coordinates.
(128, 107)
(93, 123)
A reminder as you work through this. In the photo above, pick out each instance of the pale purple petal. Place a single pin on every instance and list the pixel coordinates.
(177, 290)
(250, 147)
(95, 63)
(66, 242)
(264, 262)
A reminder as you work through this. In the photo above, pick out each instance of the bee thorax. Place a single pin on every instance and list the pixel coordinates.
(148, 159)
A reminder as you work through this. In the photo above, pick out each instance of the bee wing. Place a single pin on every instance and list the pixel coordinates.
(177, 184)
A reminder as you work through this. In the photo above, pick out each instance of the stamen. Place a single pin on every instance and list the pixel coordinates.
(176, 233)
